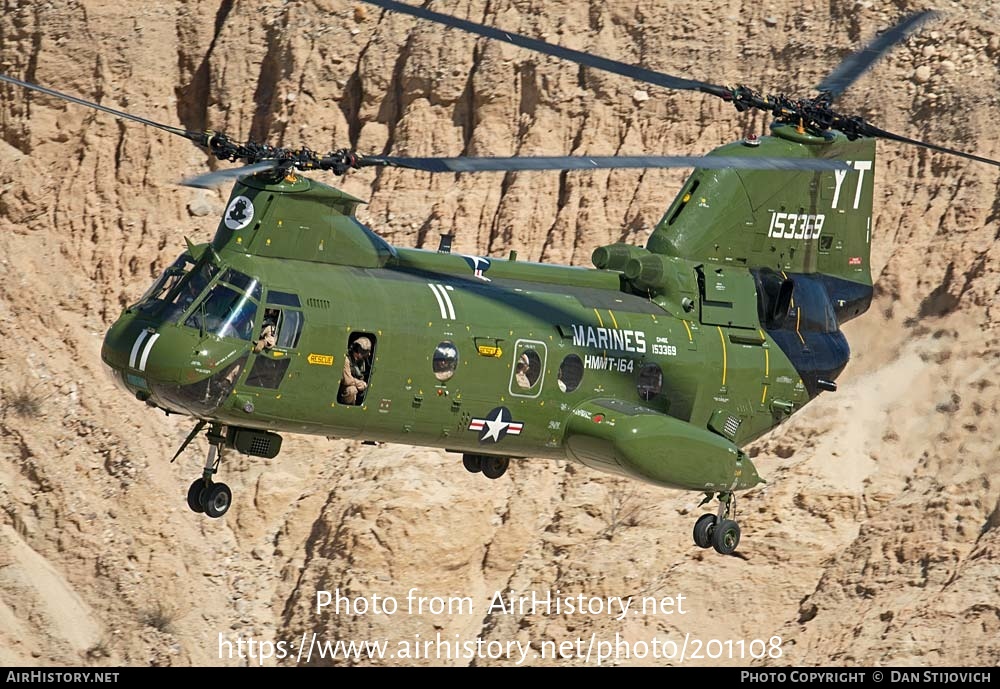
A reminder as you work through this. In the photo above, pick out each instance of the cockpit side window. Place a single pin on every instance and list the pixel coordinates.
(283, 298)
(290, 329)
(289, 325)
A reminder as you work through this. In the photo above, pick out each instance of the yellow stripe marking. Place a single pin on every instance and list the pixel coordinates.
(798, 313)
(767, 355)
(767, 365)
(688, 328)
(601, 321)
(722, 338)
(613, 319)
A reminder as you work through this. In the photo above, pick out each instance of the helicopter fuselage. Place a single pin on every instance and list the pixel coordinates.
(477, 355)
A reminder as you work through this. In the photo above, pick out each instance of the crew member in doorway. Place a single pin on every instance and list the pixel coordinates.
(354, 383)
(268, 333)
(521, 376)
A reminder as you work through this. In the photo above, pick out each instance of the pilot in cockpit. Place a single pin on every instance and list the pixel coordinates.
(268, 332)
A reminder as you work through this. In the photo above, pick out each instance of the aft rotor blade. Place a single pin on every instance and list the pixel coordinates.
(871, 130)
(856, 64)
(581, 58)
(601, 163)
(194, 136)
(210, 180)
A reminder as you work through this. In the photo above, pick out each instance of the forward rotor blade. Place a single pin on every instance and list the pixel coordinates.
(871, 130)
(211, 180)
(601, 163)
(581, 58)
(193, 136)
(856, 64)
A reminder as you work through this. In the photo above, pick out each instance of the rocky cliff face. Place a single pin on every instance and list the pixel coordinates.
(876, 538)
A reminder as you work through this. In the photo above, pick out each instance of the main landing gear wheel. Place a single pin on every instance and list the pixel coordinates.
(718, 530)
(472, 463)
(495, 467)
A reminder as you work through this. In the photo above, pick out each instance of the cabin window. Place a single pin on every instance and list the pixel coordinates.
(650, 382)
(445, 360)
(570, 373)
(527, 368)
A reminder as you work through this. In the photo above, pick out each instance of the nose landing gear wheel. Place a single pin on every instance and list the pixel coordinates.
(726, 536)
(703, 529)
(205, 496)
(216, 500)
(718, 530)
(194, 495)
(472, 463)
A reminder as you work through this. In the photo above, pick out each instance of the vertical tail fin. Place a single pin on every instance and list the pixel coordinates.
(792, 222)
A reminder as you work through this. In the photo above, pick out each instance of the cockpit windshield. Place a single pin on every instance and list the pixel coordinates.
(157, 293)
(242, 282)
(192, 285)
(226, 311)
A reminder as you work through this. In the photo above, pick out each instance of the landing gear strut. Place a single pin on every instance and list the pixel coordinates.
(205, 495)
(718, 530)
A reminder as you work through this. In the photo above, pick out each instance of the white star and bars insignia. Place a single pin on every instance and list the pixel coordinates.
(498, 423)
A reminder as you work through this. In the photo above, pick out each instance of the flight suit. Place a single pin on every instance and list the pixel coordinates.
(353, 383)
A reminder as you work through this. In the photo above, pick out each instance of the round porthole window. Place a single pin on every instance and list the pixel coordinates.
(445, 360)
(650, 382)
(570, 373)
